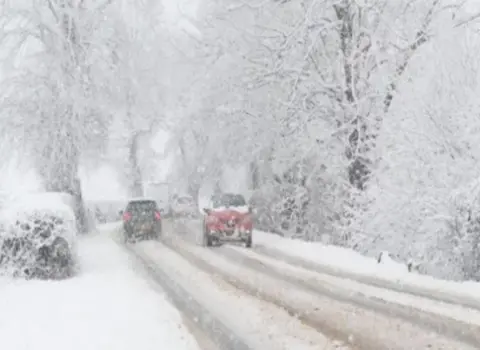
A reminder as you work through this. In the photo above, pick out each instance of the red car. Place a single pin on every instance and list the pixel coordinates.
(228, 220)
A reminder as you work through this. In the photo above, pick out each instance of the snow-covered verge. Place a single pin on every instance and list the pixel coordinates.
(106, 306)
(349, 261)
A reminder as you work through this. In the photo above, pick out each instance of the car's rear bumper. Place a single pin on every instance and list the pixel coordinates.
(142, 229)
(237, 234)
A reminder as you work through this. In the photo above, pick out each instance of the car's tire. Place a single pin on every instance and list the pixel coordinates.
(158, 231)
(207, 238)
(248, 242)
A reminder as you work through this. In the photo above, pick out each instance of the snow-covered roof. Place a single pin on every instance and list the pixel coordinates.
(241, 209)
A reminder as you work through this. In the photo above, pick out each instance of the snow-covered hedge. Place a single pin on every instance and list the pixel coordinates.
(38, 237)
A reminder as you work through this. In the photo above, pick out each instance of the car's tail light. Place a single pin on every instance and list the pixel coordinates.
(127, 216)
(157, 215)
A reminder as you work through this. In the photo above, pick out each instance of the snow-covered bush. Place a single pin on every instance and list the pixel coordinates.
(461, 241)
(38, 237)
(357, 124)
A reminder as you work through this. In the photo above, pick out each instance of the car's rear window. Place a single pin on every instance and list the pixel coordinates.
(141, 206)
(228, 200)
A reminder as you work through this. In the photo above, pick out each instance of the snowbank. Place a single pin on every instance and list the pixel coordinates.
(346, 260)
(107, 306)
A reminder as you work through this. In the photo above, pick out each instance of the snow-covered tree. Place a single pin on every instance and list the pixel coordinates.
(305, 93)
(424, 196)
(138, 87)
(153, 71)
(51, 102)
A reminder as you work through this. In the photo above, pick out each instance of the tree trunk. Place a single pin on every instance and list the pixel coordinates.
(194, 191)
(364, 133)
(59, 160)
(254, 176)
(135, 173)
(58, 167)
(357, 148)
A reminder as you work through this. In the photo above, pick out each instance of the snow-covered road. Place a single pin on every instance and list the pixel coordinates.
(260, 324)
(346, 266)
(238, 299)
(451, 320)
(371, 315)
(350, 265)
(108, 306)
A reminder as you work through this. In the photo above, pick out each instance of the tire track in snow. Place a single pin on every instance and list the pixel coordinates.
(361, 327)
(446, 321)
(437, 322)
(222, 337)
(430, 293)
(265, 326)
(339, 339)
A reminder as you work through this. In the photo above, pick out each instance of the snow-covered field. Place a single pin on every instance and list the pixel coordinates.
(349, 261)
(107, 306)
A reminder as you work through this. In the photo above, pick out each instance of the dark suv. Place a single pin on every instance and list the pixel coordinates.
(142, 220)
